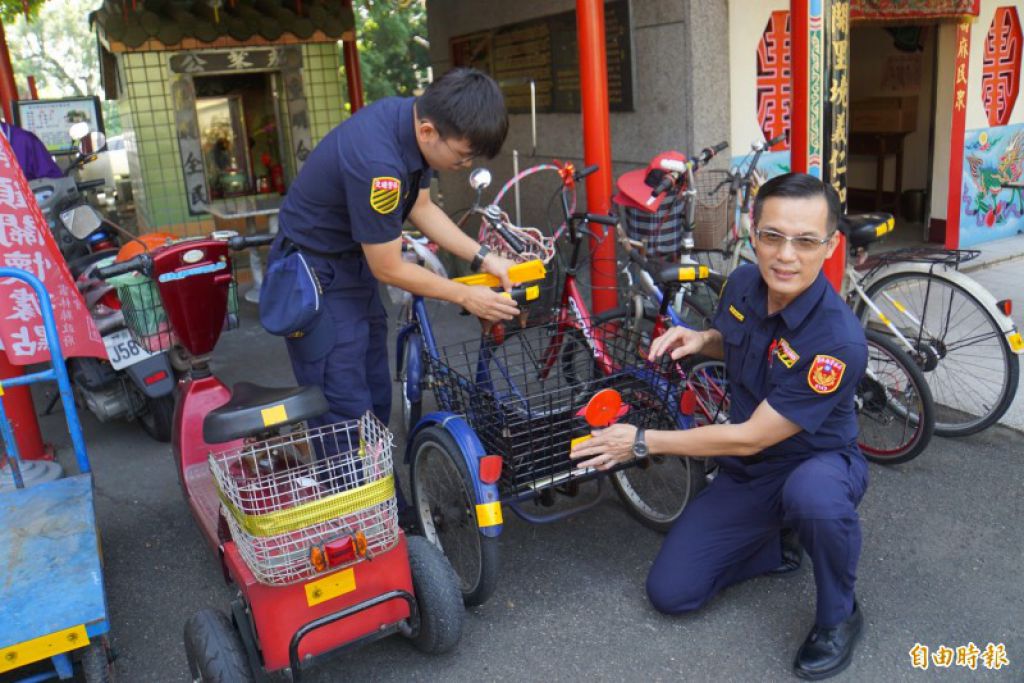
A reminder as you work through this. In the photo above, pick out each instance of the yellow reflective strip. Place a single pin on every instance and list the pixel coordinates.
(330, 587)
(687, 274)
(1, 389)
(43, 647)
(898, 306)
(315, 511)
(532, 293)
(488, 514)
(274, 415)
(1016, 342)
(881, 316)
(578, 440)
(703, 272)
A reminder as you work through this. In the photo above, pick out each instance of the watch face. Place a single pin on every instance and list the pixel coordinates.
(640, 446)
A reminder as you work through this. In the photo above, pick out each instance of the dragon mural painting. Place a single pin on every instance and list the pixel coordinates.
(994, 157)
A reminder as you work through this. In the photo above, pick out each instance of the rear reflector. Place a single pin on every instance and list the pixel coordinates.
(490, 468)
(156, 377)
(688, 402)
(1006, 306)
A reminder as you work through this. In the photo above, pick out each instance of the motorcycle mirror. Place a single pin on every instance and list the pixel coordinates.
(79, 130)
(479, 179)
(81, 221)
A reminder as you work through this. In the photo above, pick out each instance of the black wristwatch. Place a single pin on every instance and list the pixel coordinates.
(478, 260)
(640, 449)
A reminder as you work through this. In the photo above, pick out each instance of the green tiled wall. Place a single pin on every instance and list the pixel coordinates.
(323, 86)
(151, 140)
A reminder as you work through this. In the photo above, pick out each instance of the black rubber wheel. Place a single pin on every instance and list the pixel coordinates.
(968, 364)
(214, 649)
(445, 504)
(158, 418)
(411, 410)
(894, 405)
(96, 664)
(438, 597)
(657, 490)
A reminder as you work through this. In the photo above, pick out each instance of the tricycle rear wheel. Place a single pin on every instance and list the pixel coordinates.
(445, 505)
(96, 667)
(214, 649)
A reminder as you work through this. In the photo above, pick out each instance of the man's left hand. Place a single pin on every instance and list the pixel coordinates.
(606, 448)
(498, 267)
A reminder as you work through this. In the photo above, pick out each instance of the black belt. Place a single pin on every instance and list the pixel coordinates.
(288, 243)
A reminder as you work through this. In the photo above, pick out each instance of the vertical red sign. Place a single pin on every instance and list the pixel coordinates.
(956, 137)
(26, 243)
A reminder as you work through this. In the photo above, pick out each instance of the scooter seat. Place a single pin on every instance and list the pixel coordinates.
(864, 228)
(254, 409)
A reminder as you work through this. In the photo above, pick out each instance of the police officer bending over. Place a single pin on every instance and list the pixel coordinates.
(344, 214)
(794, 354)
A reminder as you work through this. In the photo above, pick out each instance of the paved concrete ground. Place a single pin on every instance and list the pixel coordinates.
(941, 565)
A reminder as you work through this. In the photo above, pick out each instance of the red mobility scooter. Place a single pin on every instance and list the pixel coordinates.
(303, 520)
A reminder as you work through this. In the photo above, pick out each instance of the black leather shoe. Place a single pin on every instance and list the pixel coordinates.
(827, 651)
(792, 555)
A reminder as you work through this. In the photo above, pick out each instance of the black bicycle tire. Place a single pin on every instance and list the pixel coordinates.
(1011, 363)
(923, 435)
(477, 589)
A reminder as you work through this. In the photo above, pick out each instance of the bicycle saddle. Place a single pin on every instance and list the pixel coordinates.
(668, 272)
(864, 228)
(253, 409)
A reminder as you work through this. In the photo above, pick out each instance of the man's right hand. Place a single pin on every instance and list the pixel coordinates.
(679, 342)
(488, 304)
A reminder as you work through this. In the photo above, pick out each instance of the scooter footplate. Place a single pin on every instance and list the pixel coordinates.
(50, 573)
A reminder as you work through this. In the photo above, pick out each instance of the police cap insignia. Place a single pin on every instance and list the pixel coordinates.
(385, 193)
(825, 374)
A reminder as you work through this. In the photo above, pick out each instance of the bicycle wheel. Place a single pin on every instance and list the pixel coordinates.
(707, 379)
(970, 369)
(442, 494)
(656, 490)
(895, 410)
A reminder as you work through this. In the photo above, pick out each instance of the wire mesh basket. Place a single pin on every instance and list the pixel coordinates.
(711, 218)
(661, 231)
(523, 396)
(144, 312)
(285, 496)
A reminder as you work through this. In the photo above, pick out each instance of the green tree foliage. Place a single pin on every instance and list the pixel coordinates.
(391, 61)
(12, 9)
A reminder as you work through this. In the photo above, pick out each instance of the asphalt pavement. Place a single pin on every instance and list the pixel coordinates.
(941, 566)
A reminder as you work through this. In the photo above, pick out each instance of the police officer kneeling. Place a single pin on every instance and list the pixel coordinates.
(794, 353)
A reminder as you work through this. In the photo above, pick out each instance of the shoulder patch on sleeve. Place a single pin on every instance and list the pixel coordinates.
(385, 193)
(736, 313)
(825, 374)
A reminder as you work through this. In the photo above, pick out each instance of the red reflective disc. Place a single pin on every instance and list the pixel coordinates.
(603, 408)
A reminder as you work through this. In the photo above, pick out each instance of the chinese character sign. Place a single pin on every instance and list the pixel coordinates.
(26, 243)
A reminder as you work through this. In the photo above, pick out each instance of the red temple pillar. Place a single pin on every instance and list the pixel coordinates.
(353, 74)
(8, 89)
(597, 145)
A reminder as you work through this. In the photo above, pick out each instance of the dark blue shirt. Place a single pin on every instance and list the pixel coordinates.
(805, 360)
(359, 183)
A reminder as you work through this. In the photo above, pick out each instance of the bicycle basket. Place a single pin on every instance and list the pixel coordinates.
(711, 219)
(522, 396)
(660, 232)
(286, 495)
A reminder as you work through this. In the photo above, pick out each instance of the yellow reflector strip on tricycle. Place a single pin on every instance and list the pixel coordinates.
(43, 647)
(1016, 342)
(488, 514)
(315, 511)
(330, 587)
(274, 415)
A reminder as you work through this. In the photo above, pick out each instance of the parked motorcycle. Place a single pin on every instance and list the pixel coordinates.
(132, 383)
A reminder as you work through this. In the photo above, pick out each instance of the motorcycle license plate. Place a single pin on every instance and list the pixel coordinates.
(123, 350)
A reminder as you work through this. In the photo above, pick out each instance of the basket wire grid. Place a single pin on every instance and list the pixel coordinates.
(146, 318)
(712, 216)
(523, 396)
(283, 496)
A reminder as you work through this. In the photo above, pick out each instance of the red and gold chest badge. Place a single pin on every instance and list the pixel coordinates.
(825, 374)
(785, 353)
(385, 192)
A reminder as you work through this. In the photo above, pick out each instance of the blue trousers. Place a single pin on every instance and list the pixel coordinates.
(731, 532)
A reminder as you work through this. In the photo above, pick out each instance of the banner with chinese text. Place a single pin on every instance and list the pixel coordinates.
(26, 243)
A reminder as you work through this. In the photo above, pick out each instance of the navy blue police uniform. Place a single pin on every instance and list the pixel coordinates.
(806, 361)
(357, 187)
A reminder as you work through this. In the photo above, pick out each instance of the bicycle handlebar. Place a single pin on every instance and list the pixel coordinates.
(239, 242)
(584, 172)
(90, 184)
(511, 239)
(140, 263)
